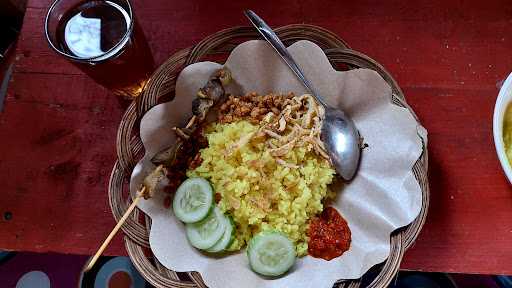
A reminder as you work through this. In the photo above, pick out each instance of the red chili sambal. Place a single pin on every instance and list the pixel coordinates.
(329, 235)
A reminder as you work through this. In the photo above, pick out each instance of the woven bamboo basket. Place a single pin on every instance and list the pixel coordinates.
(160, 88)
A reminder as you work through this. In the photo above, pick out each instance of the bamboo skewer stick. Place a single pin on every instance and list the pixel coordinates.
(114, 231)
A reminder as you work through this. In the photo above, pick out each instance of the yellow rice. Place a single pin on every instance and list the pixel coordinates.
(258, 192)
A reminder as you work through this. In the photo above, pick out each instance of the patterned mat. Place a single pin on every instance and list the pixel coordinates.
(28, 270)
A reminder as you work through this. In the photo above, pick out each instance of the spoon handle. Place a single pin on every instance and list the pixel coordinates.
(276, 43)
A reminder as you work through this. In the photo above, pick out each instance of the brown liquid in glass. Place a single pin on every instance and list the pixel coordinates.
(96, 30)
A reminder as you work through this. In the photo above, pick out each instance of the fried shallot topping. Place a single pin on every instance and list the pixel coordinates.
(286, 122)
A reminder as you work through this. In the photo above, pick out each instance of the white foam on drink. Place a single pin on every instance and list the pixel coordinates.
(83, 35)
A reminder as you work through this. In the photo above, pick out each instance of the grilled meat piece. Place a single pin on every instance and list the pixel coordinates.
(178, 155)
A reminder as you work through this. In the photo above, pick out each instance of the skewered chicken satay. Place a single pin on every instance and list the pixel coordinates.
(153, 181)
(212, 93)
(209, 95)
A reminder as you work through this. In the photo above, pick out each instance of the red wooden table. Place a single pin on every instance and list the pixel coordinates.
(58, 127)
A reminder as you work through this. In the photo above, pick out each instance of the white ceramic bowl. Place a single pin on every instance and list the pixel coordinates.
(504, 98)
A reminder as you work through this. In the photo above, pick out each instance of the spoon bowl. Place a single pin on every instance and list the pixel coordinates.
(342, 141)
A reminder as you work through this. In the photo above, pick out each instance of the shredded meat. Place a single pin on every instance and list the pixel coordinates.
(187, 157)
(251, 107)
(195, 162)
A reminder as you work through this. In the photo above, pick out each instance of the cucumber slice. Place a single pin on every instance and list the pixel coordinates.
(205, 233)
(227, 238)
(193, 200)
(271, 253)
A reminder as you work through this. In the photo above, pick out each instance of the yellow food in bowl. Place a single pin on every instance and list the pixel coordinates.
(257, 189)
(507, 132)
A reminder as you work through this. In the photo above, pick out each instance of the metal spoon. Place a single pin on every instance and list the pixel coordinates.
(339, 133)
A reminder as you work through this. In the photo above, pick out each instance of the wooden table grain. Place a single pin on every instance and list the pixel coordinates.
(58, 127)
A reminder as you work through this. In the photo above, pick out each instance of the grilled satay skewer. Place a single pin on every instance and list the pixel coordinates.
(114, 231)
(207, 96)
(145, 192)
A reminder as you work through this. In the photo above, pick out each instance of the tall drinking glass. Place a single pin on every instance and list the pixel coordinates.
(104, 40)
